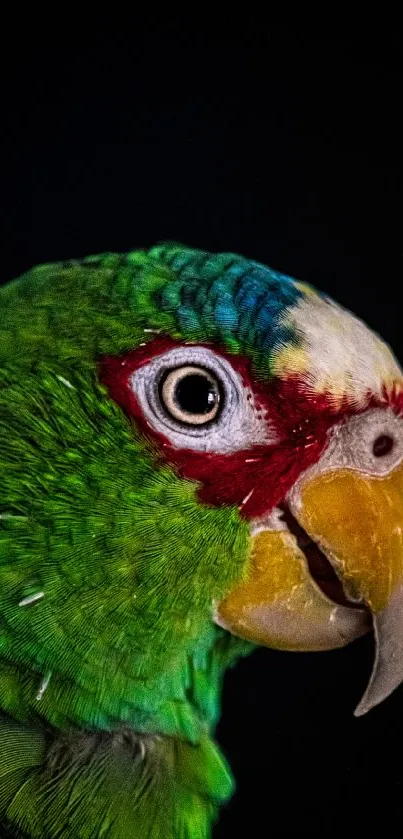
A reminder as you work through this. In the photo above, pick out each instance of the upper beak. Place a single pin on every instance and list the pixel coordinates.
(357, 521)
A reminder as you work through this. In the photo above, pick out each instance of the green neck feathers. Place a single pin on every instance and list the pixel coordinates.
(110, 679)
(119, 783)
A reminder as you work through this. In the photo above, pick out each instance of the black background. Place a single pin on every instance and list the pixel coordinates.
(281, 142)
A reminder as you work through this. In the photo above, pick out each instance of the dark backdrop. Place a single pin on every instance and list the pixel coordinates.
(282, 143)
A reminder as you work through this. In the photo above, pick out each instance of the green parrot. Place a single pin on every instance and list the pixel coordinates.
(198, 454)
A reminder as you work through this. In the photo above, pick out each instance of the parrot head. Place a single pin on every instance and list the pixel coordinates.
(282, 405)
(194, 449)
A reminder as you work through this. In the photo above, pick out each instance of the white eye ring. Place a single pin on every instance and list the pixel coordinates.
(233, 425)
(170, 395)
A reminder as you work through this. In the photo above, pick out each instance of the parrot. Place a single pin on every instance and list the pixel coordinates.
(199, 455)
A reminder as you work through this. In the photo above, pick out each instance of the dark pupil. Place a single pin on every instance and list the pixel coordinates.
(382, 445)
(195, 394)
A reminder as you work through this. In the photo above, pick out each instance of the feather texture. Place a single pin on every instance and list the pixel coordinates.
(111, 560)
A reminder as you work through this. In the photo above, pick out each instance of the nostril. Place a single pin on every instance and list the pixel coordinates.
(382, 445)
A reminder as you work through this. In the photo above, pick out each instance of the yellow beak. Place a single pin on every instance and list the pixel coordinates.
(357, 522)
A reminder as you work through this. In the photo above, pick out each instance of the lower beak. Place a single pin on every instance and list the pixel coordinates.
(357, 522)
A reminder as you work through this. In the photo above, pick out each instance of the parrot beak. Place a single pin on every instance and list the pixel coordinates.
(361, 532)
(326, 568)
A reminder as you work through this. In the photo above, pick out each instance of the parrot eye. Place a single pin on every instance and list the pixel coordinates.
(197, 400)
(191, 394)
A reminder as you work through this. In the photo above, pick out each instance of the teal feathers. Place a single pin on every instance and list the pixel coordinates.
(103, 303)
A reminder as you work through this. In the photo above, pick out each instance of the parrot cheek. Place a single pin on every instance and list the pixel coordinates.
(280, 605)
(358, 521)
